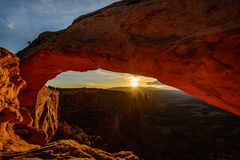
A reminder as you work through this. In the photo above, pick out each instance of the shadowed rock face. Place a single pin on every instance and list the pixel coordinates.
(100, 111)
(191, 45)
(45, 118)
(47, 111)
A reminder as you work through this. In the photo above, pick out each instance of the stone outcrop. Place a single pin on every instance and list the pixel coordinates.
(21, 128)
(68, 149)
(10, 111)
(47, 111)
(45, 116)
(191, 45)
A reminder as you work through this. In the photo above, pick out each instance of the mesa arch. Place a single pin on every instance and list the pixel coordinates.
(191, 45)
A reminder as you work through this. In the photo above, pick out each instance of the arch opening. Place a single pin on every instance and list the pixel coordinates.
(104, 79)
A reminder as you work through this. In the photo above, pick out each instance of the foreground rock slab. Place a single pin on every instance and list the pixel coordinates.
(68, 149)
(191, 45)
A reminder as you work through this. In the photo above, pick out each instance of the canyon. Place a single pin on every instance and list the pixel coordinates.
(190, 45)
(153, 123)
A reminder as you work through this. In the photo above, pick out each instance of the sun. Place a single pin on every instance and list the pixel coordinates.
(134, 81)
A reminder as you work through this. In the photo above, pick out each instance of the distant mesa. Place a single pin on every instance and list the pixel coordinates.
(155, 83)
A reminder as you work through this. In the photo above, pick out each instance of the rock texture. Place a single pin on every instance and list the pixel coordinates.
(47, 111)
(10, 111)
(68, 149)
(20, 128)
(45, 116)
(191, 45)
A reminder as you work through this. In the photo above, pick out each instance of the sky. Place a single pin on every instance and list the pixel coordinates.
(23, 20)
(103, 79)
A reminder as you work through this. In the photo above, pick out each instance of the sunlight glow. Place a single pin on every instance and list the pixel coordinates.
(134, 81)
(104, 79)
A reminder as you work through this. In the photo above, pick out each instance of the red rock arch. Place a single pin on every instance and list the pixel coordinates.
(190, 45)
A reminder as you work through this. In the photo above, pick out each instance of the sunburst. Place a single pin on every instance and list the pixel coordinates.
(134, 81)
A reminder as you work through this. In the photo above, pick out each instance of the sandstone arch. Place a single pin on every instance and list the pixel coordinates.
(191, 45)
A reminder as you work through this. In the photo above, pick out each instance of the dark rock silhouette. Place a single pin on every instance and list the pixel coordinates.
(66, 131)
(101, 112)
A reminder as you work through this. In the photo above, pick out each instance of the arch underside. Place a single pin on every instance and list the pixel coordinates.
(193, 46)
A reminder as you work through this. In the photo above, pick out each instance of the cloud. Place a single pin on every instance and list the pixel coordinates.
(98, 78)
(22, 21)
(155, 83)
(11, 25)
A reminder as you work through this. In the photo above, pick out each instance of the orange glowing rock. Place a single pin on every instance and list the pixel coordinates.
(10, 111)
(191, 45)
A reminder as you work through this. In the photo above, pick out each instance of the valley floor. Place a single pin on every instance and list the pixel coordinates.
(154, 124)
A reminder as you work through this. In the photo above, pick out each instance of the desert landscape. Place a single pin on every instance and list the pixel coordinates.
(158, 124)
(120, 79)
